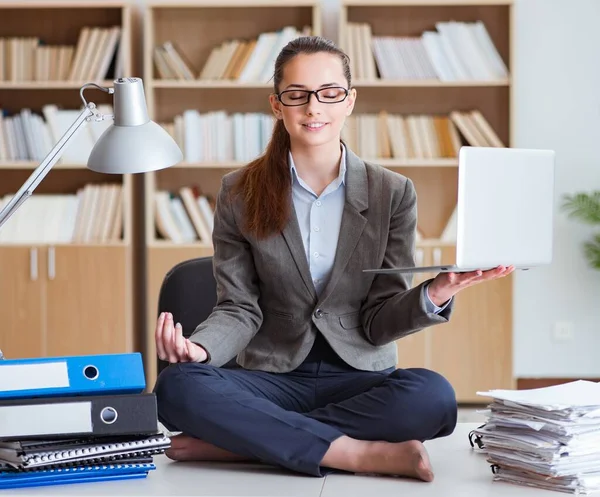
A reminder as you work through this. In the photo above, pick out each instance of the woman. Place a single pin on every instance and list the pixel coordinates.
(315, 385)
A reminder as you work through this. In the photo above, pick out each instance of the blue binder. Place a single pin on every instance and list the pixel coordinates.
(81, 474)
(102, 374)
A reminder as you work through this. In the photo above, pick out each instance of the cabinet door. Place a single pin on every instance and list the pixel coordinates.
(22, 283)
(414, 350)
(474, 350)
(89, 303)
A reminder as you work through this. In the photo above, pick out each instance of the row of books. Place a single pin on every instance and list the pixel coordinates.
(30, 59)
(29, 136)
(251, 60)
(184, 216)
(112, 430)
(220, 137)
(457, 51)
(93, 215)
(417, 136)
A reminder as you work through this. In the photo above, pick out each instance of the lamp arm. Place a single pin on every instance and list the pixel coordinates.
(44, 168)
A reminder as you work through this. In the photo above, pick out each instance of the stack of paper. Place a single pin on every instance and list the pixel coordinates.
(545, 437)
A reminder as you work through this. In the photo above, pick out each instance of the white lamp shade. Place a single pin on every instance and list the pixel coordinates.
(134, 149)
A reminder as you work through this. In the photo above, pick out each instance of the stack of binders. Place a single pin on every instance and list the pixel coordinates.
(76, 419)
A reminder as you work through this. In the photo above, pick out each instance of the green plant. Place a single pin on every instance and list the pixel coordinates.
(586, 208)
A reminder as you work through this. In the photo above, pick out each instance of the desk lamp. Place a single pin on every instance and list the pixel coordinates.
(133, 144)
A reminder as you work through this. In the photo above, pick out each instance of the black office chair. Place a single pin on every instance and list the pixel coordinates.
(189, 292)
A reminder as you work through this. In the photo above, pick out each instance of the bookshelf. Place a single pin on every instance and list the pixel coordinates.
(67, 294)
(195, 28)
(474, 350)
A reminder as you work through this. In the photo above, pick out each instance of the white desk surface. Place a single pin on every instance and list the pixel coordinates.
(459, 471)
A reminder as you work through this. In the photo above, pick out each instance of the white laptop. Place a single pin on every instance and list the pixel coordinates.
(505, 210)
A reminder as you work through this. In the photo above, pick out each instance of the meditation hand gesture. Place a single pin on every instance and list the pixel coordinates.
(172, 346)
(446, 285)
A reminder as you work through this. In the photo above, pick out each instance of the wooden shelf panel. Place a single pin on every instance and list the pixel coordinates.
(93, 245)
(230, 3)
(207, 180)
(58, 180)
(385, 83)
(165, 244)
(493, 102)
(427, 83)
(413, 18)
(30, 165)
(210, 85)
(423, 3)
(66, 98)
(181, 25)
(390, 163)
(168, 104)
(57, 24)
(52, 85)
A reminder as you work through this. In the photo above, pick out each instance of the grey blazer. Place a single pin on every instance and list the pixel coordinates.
(268, 312)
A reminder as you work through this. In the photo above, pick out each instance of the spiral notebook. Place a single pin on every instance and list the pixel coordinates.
(63, 453)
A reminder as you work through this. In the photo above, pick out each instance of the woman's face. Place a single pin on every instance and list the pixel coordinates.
(314, 123)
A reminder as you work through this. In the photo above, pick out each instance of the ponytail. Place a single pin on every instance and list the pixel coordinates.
(265, 186)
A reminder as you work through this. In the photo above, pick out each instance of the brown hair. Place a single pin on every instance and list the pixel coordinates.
(265, 184)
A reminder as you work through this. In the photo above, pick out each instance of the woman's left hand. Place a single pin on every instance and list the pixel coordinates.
(446, 285)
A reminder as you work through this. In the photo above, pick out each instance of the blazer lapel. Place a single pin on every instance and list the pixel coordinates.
(353, 222)
(293, 238)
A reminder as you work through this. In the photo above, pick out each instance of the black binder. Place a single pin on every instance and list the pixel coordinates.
(80, 416)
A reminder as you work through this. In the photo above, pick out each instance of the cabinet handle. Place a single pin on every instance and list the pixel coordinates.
(51, 263)
(33, 264)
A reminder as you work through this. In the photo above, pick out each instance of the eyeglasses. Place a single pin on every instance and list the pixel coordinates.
(330, 95)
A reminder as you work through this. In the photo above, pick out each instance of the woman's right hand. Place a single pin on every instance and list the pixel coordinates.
(172, 346)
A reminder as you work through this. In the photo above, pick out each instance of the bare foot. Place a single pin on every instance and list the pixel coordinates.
(186, 448)
(403, 459)
(407, 459)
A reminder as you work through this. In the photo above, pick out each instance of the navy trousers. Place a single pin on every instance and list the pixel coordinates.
(290, 419)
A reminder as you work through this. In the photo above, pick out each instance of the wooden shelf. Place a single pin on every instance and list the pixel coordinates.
(32, 165)
(230, 3)
(382, 83)
(427, 83)
(474, 350)
(200, 84)
(451, 162)
(49, 85)
(166, 244)
(116, 244)
(56, 290)
(425, 3)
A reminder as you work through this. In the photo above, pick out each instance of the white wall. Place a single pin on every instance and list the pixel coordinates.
(557, 106)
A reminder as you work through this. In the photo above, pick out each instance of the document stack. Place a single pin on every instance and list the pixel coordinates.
(76, 419)
(546, 437)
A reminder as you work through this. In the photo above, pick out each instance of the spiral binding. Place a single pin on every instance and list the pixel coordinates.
(81, 469)
(96, 454)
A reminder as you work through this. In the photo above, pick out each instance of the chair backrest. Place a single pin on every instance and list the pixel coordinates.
(189, 292)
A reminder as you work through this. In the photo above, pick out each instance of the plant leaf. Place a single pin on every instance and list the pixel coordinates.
(592, 251)
(583, 206)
